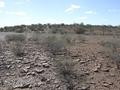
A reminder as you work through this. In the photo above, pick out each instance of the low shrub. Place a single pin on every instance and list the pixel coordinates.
(80, 30)
(54, 44)
(72, 39)
(1, 47)
(17, 48)
(57, 45)
(58, 31)
(113, 50)
(15, 37)
(65, 69)
(35, 36)
(16, 42)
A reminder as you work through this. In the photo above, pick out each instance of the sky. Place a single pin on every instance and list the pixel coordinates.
(98, 12)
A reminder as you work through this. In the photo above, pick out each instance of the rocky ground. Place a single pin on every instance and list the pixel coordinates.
(36, 69)
(102, 72)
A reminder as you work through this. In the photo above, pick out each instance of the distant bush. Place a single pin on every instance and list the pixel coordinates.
(57, 43)
(68, 40)
(75, 39)
(19, 30)
(15, 37)
(58, 31)
(80, 30)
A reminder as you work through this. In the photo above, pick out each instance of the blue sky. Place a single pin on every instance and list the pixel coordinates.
(16, 12)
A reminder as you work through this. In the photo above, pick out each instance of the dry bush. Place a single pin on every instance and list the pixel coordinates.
(38, 38)
(68, 39)
(73, 39)
(81, 39)
(1, 47)
(62, 61)
(65, 69)
(35, 36)
(59, 43)
(15, 37)
(65, 66)
(80, 30)
(17, 48)
(54, 44)
(67, 72)
(113, 50)
(16, 43)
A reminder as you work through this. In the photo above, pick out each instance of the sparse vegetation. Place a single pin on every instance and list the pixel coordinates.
(17, 48)
(63, 62)
(15, 37)
(54, 44)
(65, 68)
(113, 50)
(1, 47)
(71, 52)
(66, 29)
(16, 43)
(36, 36)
